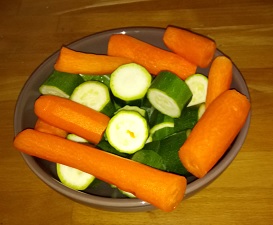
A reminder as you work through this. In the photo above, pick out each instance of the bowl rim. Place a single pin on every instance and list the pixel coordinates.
(126, 204)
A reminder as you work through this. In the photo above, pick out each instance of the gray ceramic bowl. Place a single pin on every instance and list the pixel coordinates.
(102, 196)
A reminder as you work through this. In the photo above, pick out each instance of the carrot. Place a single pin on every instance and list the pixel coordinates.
(195, 48)
(75, 62)
(220, 78)
(214, 132)
(43, 126)
(152, 58)
(72, 117)
(163, 190)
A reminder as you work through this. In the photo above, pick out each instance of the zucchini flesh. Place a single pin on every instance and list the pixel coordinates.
(169, 94)
(201, 110)
(74, 178)
(130, 82)
(198, 84)
(127, 131)
(76, 138)
(95, 95)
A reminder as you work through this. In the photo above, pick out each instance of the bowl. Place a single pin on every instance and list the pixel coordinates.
(102, 196)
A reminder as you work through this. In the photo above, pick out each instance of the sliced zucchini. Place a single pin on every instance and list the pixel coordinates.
(188, 118)
(126, 193)
(149, 158)
(130, 82)
(76, 138)
(105, 146)
(151, 112)
(169, 94)
(198, 84)
(164, 126)
(141, 111)
(188, 132)
(95, 95)
(60, 84)
(127, 131)
(105, 79)
(168, 150)
(201, 110)
(74, 178)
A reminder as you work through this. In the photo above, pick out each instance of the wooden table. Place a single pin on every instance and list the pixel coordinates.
(31, 30)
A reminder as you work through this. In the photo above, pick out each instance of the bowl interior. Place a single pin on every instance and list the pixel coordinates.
(101, 195)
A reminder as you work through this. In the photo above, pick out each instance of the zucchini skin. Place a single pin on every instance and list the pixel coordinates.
(174, 89)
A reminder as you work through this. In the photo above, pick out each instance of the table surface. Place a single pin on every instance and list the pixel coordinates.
(31, 30)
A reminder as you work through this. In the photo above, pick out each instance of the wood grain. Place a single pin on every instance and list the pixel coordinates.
(32, 30)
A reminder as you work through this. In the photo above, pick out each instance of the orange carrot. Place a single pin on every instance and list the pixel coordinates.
(220, 78)
(152, 58)
(72, 117)
(75, 62)
(195, 48)
(214, 132)
(43, 126)
(163, 190)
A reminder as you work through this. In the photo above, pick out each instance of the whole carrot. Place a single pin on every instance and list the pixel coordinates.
(163, 190)
(72, 117)
(75, 62)
(45, 127)
(219, 78)
(214, 132)
(152, 58)
(195, 48)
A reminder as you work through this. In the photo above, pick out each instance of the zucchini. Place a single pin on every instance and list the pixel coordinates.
(151, 112)
(168, 150)
(76, 138)
(188, 118)
(95, 95)
(163, 127)
(105, 146)
(105, 79)
(198, 84)
(60, 84)
(130, 82)
(201, 110)
(127, 194)
(74, 178)
(127, 131)
(169, 94)
(142, 112)
(149, 158)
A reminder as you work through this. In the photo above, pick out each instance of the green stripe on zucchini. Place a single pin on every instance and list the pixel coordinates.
(60, 84)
